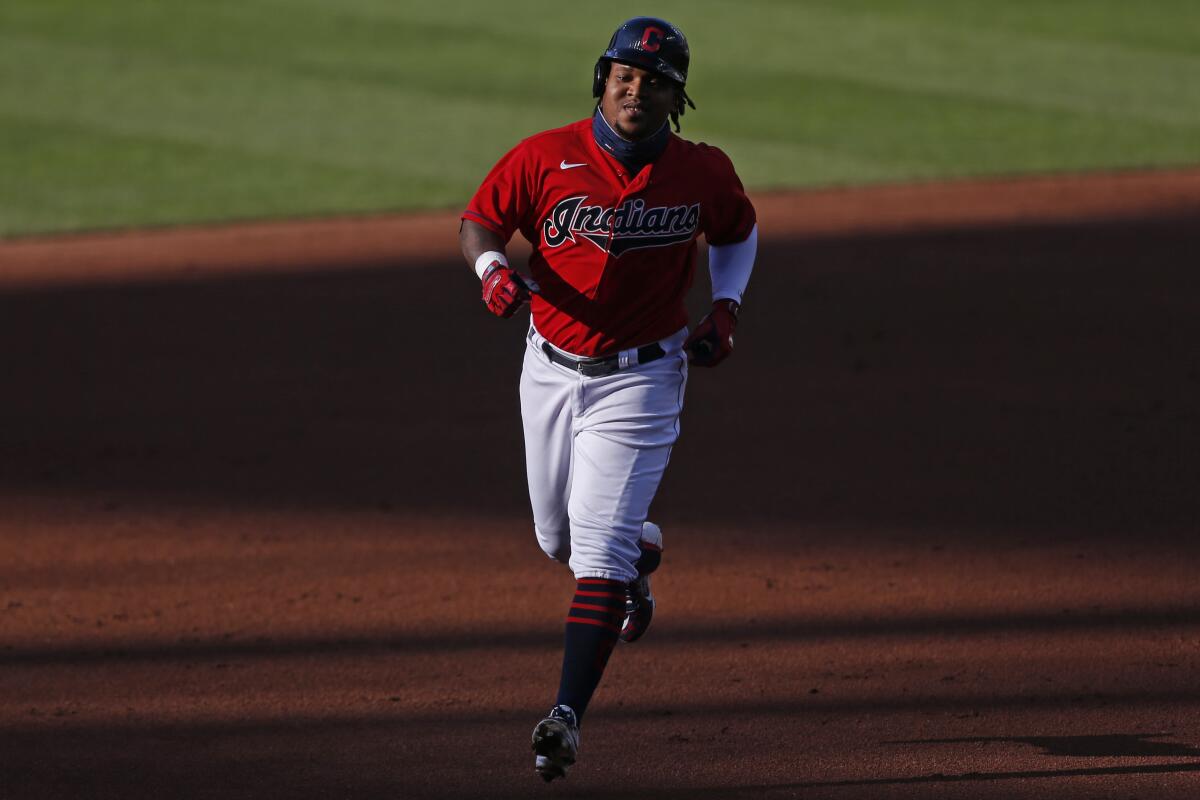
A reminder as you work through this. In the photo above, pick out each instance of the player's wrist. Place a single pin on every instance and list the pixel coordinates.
(485, 260)
(728, 304)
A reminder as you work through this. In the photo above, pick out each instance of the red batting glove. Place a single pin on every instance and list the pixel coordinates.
(504, 291)
(712, 341)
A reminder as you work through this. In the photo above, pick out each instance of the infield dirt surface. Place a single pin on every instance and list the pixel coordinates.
(931, 533)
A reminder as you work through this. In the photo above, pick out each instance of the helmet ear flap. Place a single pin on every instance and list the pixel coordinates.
(600, 77)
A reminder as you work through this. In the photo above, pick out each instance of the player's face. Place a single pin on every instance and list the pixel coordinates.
(636, 103)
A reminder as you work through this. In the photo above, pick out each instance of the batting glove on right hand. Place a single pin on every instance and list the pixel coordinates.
(504, 290)
(712, 341)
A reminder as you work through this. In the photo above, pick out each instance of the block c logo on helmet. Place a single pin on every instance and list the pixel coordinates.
(652, 39)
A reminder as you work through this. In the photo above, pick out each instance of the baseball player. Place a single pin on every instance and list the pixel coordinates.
(613, 206)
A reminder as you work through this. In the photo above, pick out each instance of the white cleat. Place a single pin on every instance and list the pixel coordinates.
(555, 743)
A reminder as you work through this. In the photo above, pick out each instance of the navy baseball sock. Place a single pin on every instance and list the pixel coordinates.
(593, 624)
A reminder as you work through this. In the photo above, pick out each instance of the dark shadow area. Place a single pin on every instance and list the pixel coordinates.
(878, 787)
(1138, 769)
(1035, 376)
(368, 758)
(741, 710)
(1100, 746)
(747, 631)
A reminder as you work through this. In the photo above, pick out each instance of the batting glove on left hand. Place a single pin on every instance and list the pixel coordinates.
(504, 290)
(712, 341)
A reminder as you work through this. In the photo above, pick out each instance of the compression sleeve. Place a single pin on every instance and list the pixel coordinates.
(729, 266)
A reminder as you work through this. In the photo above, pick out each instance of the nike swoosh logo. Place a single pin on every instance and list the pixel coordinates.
(565, 165)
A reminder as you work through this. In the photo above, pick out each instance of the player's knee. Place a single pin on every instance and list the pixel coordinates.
(554, 543)
(598, 551)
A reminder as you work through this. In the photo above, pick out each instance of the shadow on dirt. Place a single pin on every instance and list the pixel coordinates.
(1031, 376)
(1136, 769)
(383, 758)
(742, 632)
(1101, 746)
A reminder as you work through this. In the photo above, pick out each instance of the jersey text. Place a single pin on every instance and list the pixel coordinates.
(632, 225)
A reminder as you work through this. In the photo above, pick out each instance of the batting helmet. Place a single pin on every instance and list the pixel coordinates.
(647, 42)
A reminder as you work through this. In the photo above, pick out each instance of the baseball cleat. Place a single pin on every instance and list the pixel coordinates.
(639, 609)
(639, 602)
(555, 743)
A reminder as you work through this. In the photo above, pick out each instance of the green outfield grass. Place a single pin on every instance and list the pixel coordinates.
(150, 112)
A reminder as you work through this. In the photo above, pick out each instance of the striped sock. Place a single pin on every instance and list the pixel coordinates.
(593, 624)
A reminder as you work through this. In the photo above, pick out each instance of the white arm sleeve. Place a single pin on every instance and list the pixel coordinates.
(729, 266)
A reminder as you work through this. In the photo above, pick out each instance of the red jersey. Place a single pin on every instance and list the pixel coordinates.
(614, 256)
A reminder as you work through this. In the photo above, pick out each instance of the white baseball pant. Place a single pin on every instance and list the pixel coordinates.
(595, 452)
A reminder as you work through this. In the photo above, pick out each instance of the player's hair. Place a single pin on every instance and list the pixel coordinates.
(681, 100)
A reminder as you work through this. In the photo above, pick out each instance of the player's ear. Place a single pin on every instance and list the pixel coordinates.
(600, 77)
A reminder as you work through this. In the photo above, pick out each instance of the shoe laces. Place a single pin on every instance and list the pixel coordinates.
(566, 714)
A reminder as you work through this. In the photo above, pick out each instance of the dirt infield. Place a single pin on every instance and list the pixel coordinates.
(932, 532)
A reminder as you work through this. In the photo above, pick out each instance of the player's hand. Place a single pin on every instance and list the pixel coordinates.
(712, 341)
(504, 290)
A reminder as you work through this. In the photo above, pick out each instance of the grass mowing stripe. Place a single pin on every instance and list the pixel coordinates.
(825, 164)
(930, 133)
(53, 182)
(375, 103)
(1040, 73)
(1160, 25)
(378, 49)
(325, 119)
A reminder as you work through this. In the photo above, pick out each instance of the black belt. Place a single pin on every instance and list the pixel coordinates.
(604, 365)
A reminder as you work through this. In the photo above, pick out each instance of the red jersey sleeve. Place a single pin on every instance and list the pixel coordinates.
(731, 216)
(505, 198)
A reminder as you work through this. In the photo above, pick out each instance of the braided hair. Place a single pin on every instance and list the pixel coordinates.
(680, 100)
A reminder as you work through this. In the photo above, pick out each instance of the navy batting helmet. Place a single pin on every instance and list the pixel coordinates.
(647, 42)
